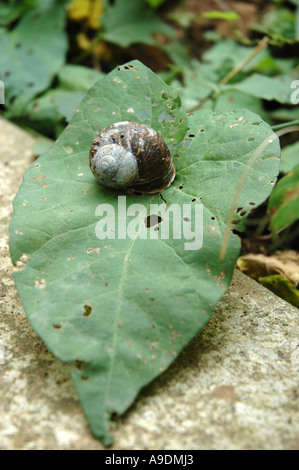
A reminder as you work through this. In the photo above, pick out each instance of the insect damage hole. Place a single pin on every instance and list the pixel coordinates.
(87, 310)
(152, 220)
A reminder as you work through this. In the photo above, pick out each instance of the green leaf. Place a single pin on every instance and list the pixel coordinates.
(78, 77)
(155, 3)
(33, 54)
(284, 201)
(221, 15)
(57, 106)
(232, 100)
(285, 114)
(277, 88)
(52, 111)
(289, 157)
(279, 24)
(230, 52)
(282, 287)
(13, 9)
(133, 21)
(121, 309)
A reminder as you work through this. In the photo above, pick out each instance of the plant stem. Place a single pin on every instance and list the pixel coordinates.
(285, 124)
(259, 48)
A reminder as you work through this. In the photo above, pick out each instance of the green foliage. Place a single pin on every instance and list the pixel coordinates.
(289, 157)
(54, 109)
(282, 287)
(203, 87)
(155, 3)
(270, 89)
(133, 21)
(280, 25)
(32, 42)
(11, 10)
(284, 201)
(122, 309)
(221, 15)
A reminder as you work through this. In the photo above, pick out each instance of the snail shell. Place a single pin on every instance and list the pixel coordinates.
(131, 156)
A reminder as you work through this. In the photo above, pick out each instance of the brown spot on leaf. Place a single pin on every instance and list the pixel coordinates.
(39, 177)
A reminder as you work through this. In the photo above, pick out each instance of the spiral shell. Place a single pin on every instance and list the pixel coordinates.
(131, 156)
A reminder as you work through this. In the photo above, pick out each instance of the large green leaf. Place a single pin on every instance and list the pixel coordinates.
(33, 54)
(133, 21)
(120, 308)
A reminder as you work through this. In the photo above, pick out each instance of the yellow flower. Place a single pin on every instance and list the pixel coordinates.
(99, 49)
(86, 10)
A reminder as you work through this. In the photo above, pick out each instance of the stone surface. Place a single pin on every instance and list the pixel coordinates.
(234, 387)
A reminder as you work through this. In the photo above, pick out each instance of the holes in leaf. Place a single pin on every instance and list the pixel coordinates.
(152, 220)
(84, 377)
(193, 200)
(164, 95)
(68, 148)
(252, 203)
(213, 217)
(181, 186)
(56, 326)
(251, 139)
(191, 135)
(238, 209)
(257, 123)
(243, 213)
(79, 364)
(87, 310)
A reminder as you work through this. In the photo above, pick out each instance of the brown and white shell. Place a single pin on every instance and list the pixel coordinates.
(131, 156)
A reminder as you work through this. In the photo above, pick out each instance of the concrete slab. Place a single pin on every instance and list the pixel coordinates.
(234, 387)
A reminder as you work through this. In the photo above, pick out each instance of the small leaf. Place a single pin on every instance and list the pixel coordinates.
(78, 77)
(267, 88)
(221, 15)
(289, 157)
(282, 287)
(132, 22)
(284, 201)
(32, 42)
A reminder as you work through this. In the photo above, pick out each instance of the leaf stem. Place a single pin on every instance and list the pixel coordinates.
(216, 90)
(278, 127)
(259, 48)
